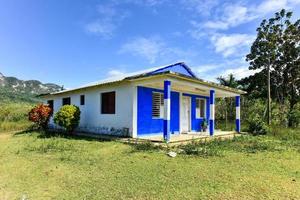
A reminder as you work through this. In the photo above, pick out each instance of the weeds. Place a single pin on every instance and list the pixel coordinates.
(146, 146)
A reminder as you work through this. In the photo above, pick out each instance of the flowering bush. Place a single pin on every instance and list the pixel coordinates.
(68, 117)
(40, 115)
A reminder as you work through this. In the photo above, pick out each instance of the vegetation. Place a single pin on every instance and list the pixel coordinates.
(35, 166)
(276, 53)
(40, 115)
(68, 117)
(13, 116)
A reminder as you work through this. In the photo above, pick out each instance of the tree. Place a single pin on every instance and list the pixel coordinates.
(40, 115)
(276, 52)
(68, 117)
(229, 81)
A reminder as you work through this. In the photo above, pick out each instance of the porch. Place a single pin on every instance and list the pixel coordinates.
(170, 105)
(191, 136)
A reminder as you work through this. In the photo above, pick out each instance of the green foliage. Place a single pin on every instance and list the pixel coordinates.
(203, 149)
(68, 117)
(13, 116)
(146, 146)
(294, 116)
(257, 126)
(276, 48)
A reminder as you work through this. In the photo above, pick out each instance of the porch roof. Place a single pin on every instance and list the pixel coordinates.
(158, 73)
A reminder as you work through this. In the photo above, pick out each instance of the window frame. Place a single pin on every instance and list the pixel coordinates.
(51, 105)
(63, 99)
(102, 110)
(82, 100)
(161, 106)
(198, 110)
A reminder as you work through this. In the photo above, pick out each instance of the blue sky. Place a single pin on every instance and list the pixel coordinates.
(72, 43)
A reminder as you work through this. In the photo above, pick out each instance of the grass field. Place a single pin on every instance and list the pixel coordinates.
(59, 167)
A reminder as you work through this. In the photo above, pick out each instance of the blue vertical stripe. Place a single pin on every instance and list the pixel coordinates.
(237, 101)
(238, 121)
(212, 118)
(167, 95)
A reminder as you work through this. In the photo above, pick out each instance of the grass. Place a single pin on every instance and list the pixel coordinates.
(13, 116)
(35, 166)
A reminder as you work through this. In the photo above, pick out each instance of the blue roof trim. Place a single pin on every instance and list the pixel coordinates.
(180, 68)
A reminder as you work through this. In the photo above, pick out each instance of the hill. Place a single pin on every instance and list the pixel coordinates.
(13, 89)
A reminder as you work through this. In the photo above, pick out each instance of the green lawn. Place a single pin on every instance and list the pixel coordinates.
(56, 167)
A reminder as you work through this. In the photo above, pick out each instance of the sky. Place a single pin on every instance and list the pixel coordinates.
(72, 43)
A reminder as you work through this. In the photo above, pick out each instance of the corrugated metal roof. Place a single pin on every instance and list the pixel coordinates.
(144, 73)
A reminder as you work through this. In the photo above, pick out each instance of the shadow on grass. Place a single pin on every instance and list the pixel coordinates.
(62, 134)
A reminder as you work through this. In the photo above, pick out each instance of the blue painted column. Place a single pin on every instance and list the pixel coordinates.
(167, 109)
(212, 112)
(237, 114)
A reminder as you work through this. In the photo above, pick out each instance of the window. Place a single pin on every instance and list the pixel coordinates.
(108, 103)
(200, 108)
(157, 105)
(50, 104)
(66, 101)
(82, 100)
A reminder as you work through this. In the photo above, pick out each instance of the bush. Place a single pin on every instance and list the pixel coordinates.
(68, 117)
(257, 126)
(40, 115)
(203, 149)
(294, 118)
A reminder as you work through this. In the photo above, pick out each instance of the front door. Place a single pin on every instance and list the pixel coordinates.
(186, 114)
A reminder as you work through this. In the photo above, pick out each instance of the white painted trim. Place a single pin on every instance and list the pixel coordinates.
(199, 117)
(180, 112)
(237, 112)
(134, 112)
(190, 115)
(167, 109)
(212, 112)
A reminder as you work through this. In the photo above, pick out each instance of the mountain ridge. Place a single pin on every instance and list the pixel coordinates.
(14, 89)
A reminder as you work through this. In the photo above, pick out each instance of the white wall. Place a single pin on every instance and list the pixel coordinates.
(91, 118)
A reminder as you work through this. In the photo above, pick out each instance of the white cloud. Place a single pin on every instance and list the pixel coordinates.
(232, 43)
(234, 14)
(149, 48)
(153, 49)
(202, 69)
(108, 20)
(202, 7)
(268, 6)
(239, 72)
(115, 72)
(104, 28)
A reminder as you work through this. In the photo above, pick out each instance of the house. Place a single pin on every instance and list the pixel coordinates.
(159, 101)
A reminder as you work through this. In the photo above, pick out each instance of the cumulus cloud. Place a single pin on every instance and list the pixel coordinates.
(231, 44)
(149, 48)
(233, 14)
(154, 48)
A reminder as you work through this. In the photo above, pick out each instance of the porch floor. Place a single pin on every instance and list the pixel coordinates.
(185, 137)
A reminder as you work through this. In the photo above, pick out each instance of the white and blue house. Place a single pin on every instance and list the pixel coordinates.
(164, 101)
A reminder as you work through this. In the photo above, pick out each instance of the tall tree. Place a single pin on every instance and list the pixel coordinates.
(276, 52)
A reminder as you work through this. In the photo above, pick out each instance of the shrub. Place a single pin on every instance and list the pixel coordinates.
(257, 126)
(203, 149)
(294, 118)
(68, 117)
(40, 115)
